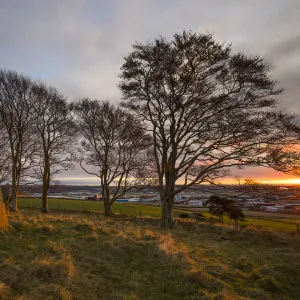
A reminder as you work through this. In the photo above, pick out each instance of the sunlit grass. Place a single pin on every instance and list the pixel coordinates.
(87, 256)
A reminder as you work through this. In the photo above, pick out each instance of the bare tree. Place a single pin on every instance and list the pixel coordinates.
(115, 143)
(208, 110)
(5, 157)
(5, 166)
(16, 117)
(57, 134)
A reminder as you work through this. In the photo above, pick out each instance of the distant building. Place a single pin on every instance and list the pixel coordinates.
(278, 208)
(195, 203)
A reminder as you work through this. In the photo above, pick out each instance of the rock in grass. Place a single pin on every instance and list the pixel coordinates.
(3, 214)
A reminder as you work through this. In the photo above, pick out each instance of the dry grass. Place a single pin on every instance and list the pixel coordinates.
(86, 256)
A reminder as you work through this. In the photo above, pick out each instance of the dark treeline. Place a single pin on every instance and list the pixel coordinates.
(191, 110)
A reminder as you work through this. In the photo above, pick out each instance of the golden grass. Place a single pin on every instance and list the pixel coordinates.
(87, 256)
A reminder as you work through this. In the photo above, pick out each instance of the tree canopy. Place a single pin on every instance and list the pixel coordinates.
(207, 109)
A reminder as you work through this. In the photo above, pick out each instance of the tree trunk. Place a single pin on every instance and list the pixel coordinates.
(168, 196)
(106, 193)
(45, 207)
(107, 208)
(221, 218)
(6, 192)
(167, 213)
(106, 201)
(14, 188)
(46, 184)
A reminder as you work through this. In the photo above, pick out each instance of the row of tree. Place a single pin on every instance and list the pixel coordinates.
(43, 134)
(37, 130)
(191, 111)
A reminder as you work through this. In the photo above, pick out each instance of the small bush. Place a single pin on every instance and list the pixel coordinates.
(183, 215)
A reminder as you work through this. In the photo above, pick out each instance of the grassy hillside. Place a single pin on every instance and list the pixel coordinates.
(86, 256)
(285, 223)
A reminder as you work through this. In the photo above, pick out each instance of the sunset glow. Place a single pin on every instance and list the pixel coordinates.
(283, 181)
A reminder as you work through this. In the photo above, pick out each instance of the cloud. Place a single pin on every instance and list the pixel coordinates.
(289, 48)
(78, 45)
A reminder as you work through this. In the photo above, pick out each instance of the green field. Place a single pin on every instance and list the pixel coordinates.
(285, 225)
(278, 222)
(92, 206)
(79, 256)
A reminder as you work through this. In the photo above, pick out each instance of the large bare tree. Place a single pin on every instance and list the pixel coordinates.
(115, 143)
(16, 117)
(208, 110)
(56, 132)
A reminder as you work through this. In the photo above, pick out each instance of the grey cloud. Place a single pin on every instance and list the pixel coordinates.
(287, 48)
(78, 45)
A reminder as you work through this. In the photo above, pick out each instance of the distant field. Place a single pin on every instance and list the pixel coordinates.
(286, 224)
(273, 215)
(266, 220)
(93, 206)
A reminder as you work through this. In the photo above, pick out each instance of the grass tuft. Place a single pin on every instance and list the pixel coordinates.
(52, 268)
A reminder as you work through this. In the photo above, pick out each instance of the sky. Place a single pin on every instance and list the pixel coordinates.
(78, 45)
